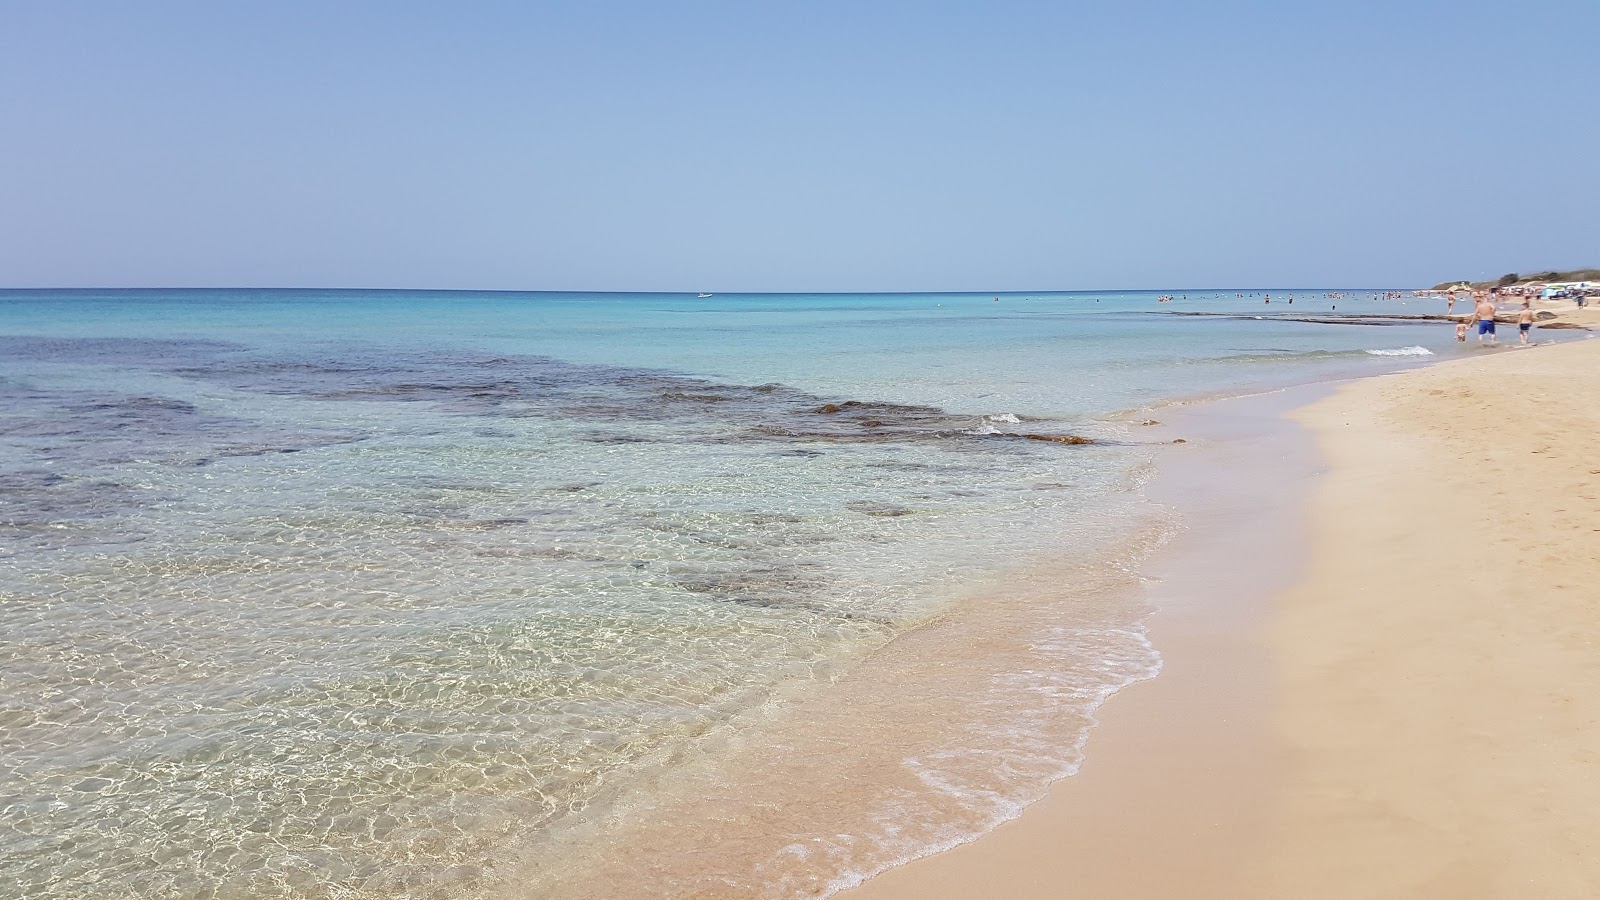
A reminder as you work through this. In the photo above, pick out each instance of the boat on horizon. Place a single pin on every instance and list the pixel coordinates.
(706, 295)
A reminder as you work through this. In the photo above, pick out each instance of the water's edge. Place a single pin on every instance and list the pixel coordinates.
(1239, 487)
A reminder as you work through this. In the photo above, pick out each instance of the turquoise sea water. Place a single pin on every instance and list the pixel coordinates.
(358, 593)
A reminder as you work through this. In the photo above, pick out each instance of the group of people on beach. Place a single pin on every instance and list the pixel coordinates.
(1485, 306)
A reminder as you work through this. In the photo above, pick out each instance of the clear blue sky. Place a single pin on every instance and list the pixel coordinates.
(802, 146)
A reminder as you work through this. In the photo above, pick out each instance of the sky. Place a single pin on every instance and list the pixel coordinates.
(803, 146)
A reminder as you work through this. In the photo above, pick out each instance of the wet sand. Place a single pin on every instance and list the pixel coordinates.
(1175, 789)
(1407, 712)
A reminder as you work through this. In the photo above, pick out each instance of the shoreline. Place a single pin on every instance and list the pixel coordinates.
(1232, 773)
(1135, 821)
(917, 731)
(1250, 431)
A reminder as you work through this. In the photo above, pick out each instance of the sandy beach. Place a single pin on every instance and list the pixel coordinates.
(1439, 659)
(1405, 710)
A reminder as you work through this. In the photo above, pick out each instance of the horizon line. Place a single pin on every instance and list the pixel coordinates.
(990, 291)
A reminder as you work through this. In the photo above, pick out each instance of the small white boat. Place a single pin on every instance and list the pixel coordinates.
(705, 295)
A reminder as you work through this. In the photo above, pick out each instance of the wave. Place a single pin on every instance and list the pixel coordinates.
(1280, 355)
(987, 426)
(1413, 350)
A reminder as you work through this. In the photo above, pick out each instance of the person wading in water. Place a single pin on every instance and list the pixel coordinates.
(1485, 312)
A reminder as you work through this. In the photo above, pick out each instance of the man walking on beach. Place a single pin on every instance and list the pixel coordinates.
(1524, 321)
(1485, 311)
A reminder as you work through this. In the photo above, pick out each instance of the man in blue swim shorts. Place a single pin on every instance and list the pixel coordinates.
(1486, 319)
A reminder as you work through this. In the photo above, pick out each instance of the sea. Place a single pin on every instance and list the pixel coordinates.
(429, 594)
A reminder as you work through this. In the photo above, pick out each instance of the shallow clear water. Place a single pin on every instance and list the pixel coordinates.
(438, 594)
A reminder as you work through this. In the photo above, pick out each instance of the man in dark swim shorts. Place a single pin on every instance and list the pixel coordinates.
(1485, 312)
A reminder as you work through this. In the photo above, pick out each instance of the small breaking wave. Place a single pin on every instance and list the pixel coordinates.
(1269, 355)
(988, 426)
(1413, 350)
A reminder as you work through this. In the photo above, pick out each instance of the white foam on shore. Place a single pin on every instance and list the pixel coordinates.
(1403, 351)
(1120, 656)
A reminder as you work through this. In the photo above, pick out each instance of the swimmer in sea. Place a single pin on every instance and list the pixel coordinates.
(1524, 321)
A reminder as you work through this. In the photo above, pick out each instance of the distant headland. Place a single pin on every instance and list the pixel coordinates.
(1513, 279)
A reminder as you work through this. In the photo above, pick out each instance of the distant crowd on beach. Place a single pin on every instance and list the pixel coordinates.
(1486, 304)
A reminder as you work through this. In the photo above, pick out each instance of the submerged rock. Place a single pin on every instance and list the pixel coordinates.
(1052, 438)
(885, 510)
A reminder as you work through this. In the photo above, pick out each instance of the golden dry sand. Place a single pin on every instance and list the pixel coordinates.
(1441, 661)
(1433, 712)
(1569, 316)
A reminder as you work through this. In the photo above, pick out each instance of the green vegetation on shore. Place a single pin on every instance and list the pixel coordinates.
(1513, 278)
